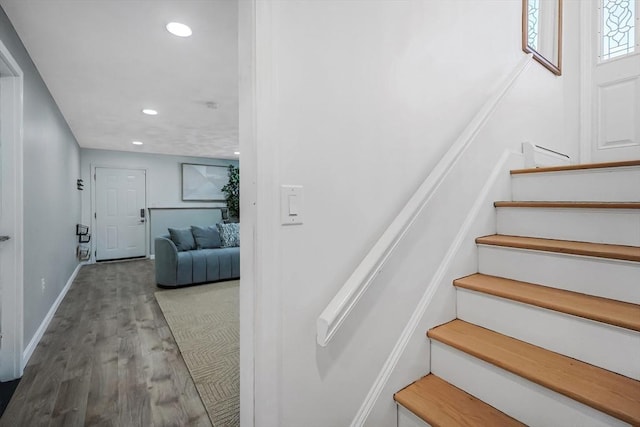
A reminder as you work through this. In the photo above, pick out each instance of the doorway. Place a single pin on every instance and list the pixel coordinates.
(120, 217)
(11, 222)
(611, 81)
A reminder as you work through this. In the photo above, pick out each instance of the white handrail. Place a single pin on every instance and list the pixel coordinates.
(347, 297)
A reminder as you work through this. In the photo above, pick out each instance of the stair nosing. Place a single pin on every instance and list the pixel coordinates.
(598, 250)
(553, 371)
(556, 300)
(626, 163)
(403, 397)
(567, 205)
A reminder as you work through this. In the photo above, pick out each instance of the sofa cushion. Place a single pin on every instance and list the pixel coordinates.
(174, 269)
(229, 234)
(206, 237)
(182, 238)
(222, 263)
(199, 265)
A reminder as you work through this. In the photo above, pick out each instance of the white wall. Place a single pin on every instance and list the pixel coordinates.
(357, 101)
(51, 200)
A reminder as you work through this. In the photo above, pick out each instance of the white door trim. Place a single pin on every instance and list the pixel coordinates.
(260, 292)
(587, 38)
(147, 230)
(248, 174)
(12, 322)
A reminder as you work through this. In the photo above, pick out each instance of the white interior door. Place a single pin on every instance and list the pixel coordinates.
(11, 229)
(120, 213)
(616, 83)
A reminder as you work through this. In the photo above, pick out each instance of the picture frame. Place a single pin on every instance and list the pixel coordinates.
(203, 183)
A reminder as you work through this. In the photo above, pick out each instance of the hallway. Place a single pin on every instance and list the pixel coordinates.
(107, 358)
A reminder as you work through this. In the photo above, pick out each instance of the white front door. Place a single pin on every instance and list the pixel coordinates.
(11, 256)
(120, 213)
(616, 83)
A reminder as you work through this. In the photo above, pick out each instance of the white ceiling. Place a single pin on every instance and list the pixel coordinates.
(106, 60)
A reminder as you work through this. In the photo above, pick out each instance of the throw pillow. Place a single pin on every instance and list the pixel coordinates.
(182, 238)
(206, 237)
(229, 234)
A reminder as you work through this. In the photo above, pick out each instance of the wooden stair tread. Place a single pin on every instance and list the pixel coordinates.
(617, 313)
(611, 393)
(601, 250)
(569, 205)
(578, 167)
(441, 404)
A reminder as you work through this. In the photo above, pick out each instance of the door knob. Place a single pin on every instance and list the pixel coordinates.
(4, 238)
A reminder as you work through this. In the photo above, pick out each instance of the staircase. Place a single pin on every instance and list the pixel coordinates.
(548, 331)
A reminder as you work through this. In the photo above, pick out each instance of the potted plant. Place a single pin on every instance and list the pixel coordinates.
(232, 193)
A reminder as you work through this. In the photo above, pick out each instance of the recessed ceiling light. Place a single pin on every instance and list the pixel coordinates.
(237, 153)
(178, 29)
(149, 112)
(137, 142)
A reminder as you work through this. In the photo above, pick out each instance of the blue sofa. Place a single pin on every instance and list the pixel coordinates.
(177, 264)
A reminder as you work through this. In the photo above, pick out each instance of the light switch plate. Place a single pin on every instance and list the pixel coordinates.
(291, 204)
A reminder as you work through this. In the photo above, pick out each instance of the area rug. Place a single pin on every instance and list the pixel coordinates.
(205, 323)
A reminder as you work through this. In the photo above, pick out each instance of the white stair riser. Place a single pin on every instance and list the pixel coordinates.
(614, 226)
(602, 185)
(406, 418)
(602, 277)
(528, 402)
(599, 344)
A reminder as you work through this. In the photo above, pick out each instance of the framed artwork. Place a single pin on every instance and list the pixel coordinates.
(203, 183)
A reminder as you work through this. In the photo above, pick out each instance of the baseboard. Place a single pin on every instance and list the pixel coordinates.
(28, 351)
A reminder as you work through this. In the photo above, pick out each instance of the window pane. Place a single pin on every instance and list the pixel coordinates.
(618, 28)
(532, 27)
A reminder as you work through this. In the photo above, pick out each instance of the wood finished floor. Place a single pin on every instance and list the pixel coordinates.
(107, 359)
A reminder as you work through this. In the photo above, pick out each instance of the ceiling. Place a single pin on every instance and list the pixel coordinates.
(106, 60)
